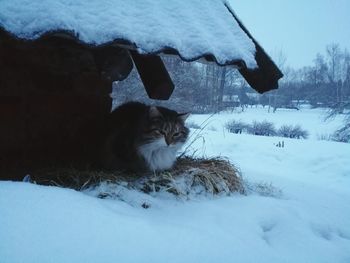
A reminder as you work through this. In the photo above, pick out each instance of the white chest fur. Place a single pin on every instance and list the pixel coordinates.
(158, 155)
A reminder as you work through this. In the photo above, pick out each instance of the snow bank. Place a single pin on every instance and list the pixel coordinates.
(48, 224)
(194, 28)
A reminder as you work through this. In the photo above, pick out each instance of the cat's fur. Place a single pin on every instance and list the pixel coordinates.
(143, 138)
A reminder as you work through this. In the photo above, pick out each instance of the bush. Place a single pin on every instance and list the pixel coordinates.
(294, 132)
(343, 134)
(266, 128)
(236, 126)
(263, 128)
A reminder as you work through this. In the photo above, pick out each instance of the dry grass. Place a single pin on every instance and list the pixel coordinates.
(189, 176)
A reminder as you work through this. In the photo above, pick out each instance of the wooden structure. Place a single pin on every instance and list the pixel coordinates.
(54, 94)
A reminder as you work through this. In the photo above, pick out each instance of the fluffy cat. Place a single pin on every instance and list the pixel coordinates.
(143, 138)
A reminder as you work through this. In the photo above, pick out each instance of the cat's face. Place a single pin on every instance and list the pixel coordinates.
(165, 126)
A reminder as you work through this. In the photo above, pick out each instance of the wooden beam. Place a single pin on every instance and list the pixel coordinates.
(154, 76)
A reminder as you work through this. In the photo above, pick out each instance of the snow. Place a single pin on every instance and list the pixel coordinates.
(312, 120)
(194, 28)
(309, 222)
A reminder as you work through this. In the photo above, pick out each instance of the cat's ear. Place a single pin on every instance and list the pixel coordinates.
(154, 112)
(183, 116)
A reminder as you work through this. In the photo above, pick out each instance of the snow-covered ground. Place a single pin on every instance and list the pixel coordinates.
(310, 222)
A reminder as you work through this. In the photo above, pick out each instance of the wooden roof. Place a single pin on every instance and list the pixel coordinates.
(193, 30)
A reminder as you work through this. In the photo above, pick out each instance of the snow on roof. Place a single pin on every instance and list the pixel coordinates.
(193, 28)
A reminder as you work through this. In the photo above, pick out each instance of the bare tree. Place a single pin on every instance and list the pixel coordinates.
(333, 56)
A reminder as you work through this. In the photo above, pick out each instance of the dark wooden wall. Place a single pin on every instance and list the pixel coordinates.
(54, 98)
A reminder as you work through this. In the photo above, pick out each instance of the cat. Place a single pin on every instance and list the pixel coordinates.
(143, 138)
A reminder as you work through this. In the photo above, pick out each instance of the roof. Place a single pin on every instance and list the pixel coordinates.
(192, 29)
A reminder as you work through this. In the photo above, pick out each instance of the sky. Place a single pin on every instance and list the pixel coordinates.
(298, 28)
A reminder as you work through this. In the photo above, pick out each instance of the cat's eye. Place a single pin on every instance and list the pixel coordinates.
(160, 132)
(155, 131)
(176, 134)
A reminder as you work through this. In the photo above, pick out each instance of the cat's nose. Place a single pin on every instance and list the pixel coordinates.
(168, 140)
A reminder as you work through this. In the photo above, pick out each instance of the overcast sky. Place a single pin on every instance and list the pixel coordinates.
(300, 28)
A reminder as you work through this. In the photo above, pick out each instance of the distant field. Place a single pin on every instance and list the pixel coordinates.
(312, 120)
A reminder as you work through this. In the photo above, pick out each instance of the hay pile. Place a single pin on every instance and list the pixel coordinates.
(189, 176)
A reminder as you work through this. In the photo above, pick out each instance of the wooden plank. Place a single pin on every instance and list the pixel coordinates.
(154, 76)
